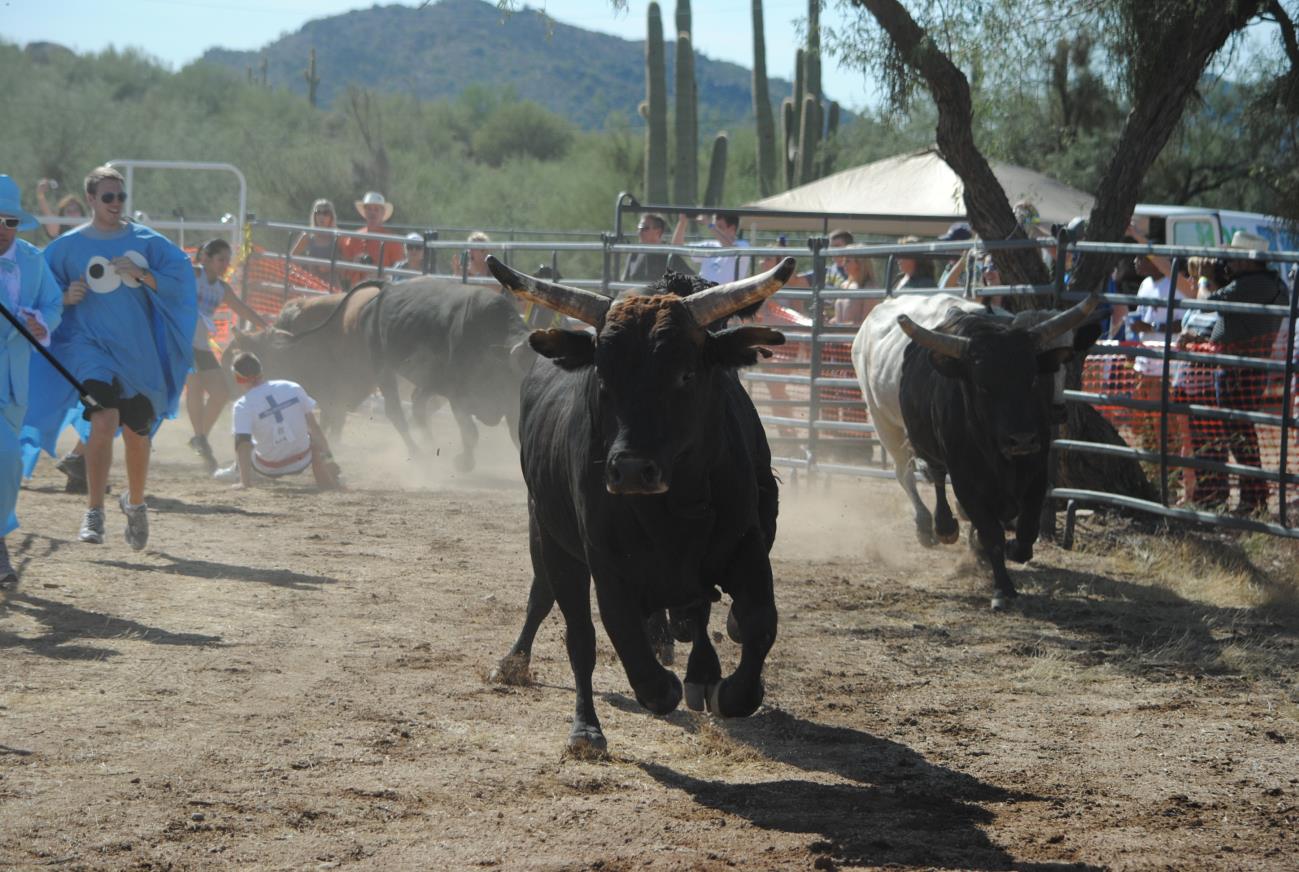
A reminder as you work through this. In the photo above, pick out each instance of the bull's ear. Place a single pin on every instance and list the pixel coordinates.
(570, 349)
(740, 346)
(1053, 358)
(1085, 336)
(946, 365)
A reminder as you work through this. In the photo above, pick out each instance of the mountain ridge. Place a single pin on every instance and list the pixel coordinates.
(438, 51)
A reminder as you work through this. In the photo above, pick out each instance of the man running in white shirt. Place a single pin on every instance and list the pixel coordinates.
(276, 433)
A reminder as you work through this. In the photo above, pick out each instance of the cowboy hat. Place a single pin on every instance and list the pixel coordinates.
(374, 198)
(1249, 241)
(11, 205)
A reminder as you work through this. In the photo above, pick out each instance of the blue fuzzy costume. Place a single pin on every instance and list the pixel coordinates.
(134, 336)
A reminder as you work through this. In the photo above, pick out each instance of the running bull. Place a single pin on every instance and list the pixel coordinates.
(970, 392)
(648, 471)
(464, 343)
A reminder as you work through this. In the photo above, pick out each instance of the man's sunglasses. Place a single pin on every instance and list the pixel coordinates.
(111, 197)
(11, 223)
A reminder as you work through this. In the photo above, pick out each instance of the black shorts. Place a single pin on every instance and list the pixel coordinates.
(205, 360)
(135, 413)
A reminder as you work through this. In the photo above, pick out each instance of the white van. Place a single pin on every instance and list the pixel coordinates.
(1196, 225)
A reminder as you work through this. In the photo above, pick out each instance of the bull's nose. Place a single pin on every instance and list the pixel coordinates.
(1021, 443)
(628, 474)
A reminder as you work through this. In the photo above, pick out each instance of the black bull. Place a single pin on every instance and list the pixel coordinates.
(464, 343)
(975, 395)
(648, 471)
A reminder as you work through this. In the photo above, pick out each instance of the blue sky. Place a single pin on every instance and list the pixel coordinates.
(179, 31)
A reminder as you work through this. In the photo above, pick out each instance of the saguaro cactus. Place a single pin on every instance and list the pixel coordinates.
(685, 180)
(716, 172)
(807, 123)
(655, 111)
(313, 80)
(762, 108)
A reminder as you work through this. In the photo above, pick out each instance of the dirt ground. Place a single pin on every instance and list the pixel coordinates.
(293, 680)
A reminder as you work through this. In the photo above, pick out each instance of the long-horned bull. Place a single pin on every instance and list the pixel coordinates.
(648, 471)
(969, 393)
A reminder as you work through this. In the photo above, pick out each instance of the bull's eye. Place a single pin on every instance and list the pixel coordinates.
(685, 377)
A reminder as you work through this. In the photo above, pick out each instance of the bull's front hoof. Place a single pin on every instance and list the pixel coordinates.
(1002, 599)
(949, 536)
(513, 669)
(727, 700)
(701, 696)
(661, 697)
(587, 743)
(463, 462)
(1020, 553)
(733, 627)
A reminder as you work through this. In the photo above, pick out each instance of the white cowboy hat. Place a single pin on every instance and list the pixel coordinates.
(374, 198)
(1249, 241)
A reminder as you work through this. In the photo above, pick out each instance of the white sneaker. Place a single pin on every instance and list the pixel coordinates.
(228, 474)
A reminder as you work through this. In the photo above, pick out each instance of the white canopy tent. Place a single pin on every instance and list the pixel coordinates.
(911, 193)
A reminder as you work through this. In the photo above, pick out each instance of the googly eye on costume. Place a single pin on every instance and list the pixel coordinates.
(102, 276)
(138, 259)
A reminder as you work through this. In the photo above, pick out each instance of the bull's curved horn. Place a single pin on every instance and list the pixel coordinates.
(586, 306)
(1067, 320)
(941, 343)
(724, 300)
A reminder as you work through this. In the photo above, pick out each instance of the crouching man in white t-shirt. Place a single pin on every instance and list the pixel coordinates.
(275, 429)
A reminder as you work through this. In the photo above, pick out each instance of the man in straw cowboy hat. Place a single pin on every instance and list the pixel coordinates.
(1249, 335)
(28, 290)
(376, 211)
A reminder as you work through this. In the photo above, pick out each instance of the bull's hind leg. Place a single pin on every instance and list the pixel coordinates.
(749, 583)
(655, 687)
(514, 667)
(1028, 522)
(660, 634)
(392, 408)
(464, 461)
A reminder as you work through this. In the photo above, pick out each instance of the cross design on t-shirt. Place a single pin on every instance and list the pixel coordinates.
(277, 409)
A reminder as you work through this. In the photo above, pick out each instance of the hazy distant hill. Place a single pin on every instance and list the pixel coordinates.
(438, 51)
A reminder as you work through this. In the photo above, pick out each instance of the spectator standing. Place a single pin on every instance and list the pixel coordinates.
(913, 272)
(725, 227)
(29, 292)
(476, 265)
(320, 244)
(1248, 335)
(414, 259)
(651, 266)
(207, 378)
(1193, 384)
(68, 206)
(373, 248)
(129, 341)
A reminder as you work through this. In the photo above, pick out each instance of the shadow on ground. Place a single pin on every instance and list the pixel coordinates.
(210, 569)
(898, 809)
(66, 623)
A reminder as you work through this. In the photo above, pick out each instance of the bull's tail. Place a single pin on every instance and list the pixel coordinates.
(342, 305)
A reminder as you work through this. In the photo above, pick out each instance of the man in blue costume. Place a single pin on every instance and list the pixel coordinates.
(28, 291)
(128, 340)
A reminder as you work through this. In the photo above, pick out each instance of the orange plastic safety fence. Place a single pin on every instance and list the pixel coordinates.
(265, 283)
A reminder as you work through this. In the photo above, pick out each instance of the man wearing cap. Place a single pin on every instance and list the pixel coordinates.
(127, 338)
(28, 291)
(1241, 388)
(358, 249)
(650, 266)
(414, 260)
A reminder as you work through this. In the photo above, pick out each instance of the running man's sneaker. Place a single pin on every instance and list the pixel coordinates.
(137, 523)
(92, 527)
(228, 474)
(204, 450)
(74, 467)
